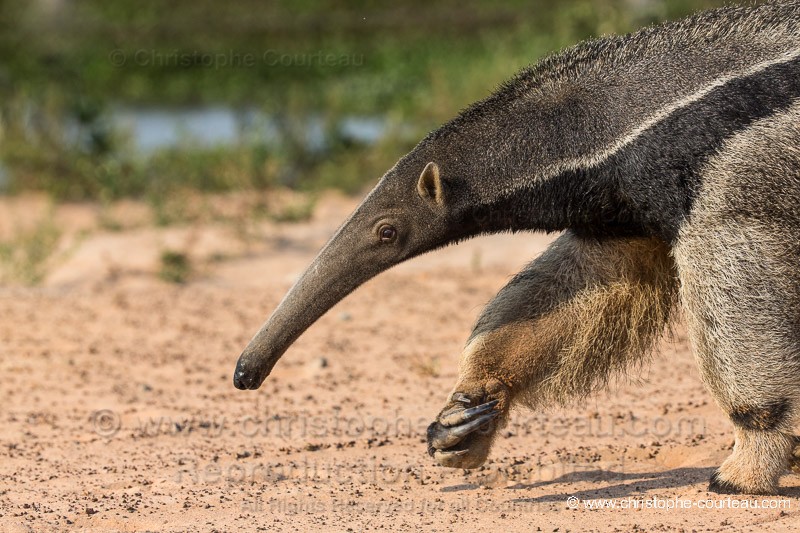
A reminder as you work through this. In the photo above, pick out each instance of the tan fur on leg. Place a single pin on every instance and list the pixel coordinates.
(581, 313)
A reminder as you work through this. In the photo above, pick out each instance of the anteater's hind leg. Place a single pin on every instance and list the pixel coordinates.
(738, 259)
(583, 310)
(794, 459)
(743, 323)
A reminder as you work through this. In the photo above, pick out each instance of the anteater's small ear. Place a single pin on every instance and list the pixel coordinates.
(430, 185)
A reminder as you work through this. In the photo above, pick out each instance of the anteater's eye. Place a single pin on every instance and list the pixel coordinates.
(387, 233)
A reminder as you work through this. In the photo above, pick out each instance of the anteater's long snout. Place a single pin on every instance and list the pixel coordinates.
(253, 368)
(298, 310)
(264, 350)
(336, 272)
(320, 287)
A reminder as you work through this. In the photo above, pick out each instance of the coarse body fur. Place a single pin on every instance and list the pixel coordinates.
(724, 226)
(670, 158)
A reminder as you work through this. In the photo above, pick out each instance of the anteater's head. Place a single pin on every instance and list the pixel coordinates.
(453, 185)
(418, 205)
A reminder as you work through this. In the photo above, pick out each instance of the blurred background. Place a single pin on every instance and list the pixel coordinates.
(166, 103)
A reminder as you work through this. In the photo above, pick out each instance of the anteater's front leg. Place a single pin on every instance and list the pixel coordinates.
(583, 310)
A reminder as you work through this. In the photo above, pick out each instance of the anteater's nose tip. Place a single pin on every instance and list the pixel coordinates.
(244, 379)
(239, 380)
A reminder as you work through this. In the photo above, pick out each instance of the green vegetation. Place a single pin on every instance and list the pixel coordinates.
(25, 257)
(64, 64)
(175, 267)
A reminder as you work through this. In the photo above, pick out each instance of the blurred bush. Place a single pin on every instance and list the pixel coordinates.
(65, 64)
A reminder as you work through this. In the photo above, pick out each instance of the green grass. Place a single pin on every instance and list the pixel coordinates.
(176, 267)
(26, 256)
(298, 211)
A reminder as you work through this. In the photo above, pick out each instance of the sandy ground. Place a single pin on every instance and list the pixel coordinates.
(119, 414)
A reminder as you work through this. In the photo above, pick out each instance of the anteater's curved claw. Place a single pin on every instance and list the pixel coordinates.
(459, 415)
(441, 437)
(445, 457)
(460, 397)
